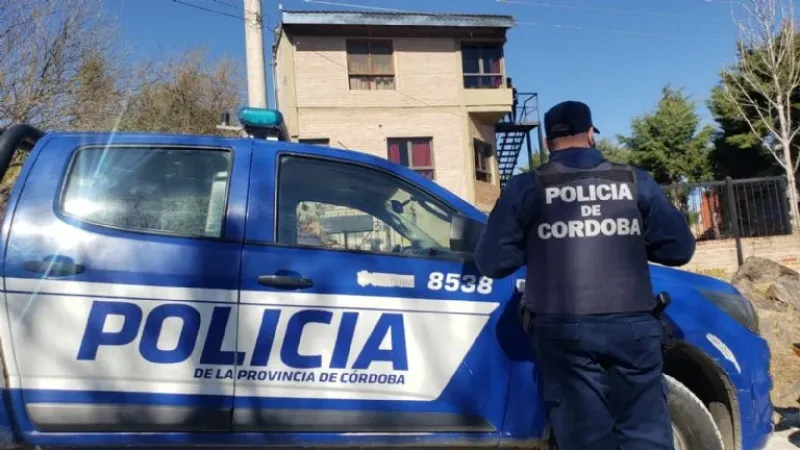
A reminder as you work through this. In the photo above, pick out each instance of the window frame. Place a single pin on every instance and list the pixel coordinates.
(481, 46)
(67, 173)
(449, 208)
(324, 142)
(362, 76)
(409, 150)
(488, 171)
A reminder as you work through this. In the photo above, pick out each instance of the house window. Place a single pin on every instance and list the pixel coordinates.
(315, 141)
(483, 160)
(370, 64)
(482, 65)
(414, 153)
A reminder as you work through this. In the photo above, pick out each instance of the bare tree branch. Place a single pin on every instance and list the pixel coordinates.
(763, 83)
(43, 44)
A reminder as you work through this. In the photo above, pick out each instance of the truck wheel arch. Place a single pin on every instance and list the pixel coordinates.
(709, 382)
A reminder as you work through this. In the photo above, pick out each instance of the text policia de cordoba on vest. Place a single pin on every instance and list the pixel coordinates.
(591, 198)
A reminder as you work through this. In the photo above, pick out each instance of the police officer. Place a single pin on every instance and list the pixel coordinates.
(586, 229)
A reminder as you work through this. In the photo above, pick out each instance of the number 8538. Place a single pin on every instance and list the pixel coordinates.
(454, 282)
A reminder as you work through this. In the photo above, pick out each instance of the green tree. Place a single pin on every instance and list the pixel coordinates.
(756, 102)
(670, 142)
(737, 152)
(607, 147)
(614, 152)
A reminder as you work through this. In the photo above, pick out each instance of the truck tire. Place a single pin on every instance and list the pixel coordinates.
(693, 426)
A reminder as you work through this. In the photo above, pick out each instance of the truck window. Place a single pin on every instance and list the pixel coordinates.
(342, 227)
(323, 203)
(159, 190)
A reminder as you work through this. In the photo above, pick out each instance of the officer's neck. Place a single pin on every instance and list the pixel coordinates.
(571, 147)
(570, 143)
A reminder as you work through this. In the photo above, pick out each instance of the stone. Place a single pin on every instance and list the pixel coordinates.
(767, 284)
(787, 291)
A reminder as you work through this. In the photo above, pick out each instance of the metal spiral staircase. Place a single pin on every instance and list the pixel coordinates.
(514, 130)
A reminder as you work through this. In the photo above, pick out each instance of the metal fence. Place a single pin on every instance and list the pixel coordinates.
(731, 209)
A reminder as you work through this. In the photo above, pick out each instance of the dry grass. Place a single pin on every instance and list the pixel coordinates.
(781, 329)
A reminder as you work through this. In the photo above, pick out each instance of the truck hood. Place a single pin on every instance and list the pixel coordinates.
(664, 276)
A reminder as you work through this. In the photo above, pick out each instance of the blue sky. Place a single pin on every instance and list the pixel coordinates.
(615, 55)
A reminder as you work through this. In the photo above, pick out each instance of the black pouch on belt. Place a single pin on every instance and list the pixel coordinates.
(525, 316)
(663, 300)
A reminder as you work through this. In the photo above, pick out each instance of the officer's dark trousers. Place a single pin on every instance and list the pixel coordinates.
(601, 380)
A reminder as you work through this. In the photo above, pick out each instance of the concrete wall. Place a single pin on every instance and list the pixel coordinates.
(428, 102)
(718, 258)
(367, 130)
(427, 73)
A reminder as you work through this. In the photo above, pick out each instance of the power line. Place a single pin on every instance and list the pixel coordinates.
(597, 9)
(209, 10)
(266, 23)
(221, 13)
(350, 5)
(223, 3)
(526, 23)
(623, 31)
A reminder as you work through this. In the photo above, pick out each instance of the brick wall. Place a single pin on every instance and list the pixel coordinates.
(427, 73)
(485, 193)
(367, 130)
(718, 258)
(428, 102)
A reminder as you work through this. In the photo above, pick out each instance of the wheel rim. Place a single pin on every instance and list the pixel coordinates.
(679, 441)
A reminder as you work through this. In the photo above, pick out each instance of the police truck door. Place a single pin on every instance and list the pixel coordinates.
(355, 315)
(122, 278)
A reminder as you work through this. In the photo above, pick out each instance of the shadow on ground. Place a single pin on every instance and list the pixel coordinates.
(789, 419)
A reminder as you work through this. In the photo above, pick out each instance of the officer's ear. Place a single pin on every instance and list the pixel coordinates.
(590, 136)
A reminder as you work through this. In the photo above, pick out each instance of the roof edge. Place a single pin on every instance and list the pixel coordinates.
(396, 19)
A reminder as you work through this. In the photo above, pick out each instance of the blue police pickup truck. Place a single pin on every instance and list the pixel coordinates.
(171, 290)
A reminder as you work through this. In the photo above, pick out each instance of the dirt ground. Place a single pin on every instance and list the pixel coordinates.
(781, 329)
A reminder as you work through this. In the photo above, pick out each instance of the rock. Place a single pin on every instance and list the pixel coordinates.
(775, 292)
(787, 291)
(767, 284)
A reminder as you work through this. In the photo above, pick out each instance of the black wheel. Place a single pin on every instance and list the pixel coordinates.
(693, 426)
(722, 417)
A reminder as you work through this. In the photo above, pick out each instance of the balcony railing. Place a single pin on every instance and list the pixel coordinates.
(483, 81)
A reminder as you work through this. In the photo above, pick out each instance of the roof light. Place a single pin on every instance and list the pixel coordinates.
(263, 123)
(260, 117)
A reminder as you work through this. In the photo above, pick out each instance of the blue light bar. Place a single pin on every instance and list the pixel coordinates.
(260, 117)
(263, 123)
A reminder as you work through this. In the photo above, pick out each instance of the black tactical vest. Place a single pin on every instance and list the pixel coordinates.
(586, 250)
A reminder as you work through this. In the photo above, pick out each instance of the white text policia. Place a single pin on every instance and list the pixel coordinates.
(593, 224)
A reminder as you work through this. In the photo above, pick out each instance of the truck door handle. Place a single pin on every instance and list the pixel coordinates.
(52, 267)
(285, 281)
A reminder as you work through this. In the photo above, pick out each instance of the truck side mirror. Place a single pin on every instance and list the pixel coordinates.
(464, 234)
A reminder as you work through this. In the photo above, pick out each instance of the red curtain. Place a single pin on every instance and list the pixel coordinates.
(394, 152)
(421, 154)
(495, 63)
(426, 173)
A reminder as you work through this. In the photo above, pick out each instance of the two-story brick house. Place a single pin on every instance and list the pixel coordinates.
(422, 90)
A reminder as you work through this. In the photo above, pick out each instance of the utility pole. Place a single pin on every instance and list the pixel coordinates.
(254, 46)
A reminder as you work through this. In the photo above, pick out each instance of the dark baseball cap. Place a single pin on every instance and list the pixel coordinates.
(567, 119)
